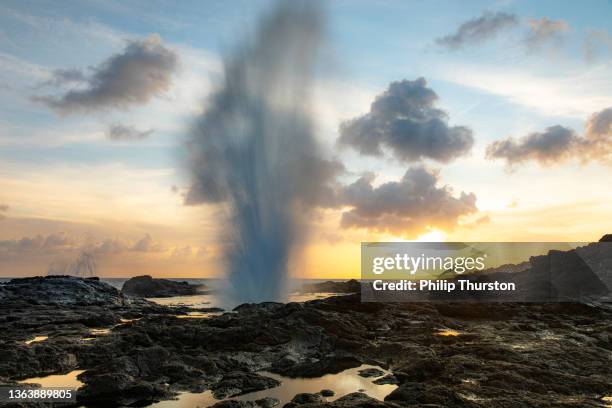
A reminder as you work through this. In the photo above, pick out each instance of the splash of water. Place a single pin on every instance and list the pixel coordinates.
(84, 266)
(254, 152)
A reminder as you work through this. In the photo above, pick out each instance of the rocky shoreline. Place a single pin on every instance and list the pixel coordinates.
(440, 354)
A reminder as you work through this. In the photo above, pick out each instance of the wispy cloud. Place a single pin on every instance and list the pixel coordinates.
(573, 92)
(120, 132)
(479, 29)
(544, 31)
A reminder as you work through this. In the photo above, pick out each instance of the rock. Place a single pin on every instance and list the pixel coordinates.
(422, 393)
(260, 403)
(513, 354)
(238, 382)
(146, 286)
(370, 372)
(357, 400)
(351, 286)
(306, 398)
(570, 276)
(61, 291)
(319, 367)
(606, 238)
(327, 393)
(387, 379)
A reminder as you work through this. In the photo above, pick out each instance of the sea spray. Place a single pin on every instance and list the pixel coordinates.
(254, 153)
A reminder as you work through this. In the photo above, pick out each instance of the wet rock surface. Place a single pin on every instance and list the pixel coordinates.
(146, 286)
(506, 355)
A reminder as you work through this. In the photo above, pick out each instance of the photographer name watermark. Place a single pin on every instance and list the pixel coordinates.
(482, 271)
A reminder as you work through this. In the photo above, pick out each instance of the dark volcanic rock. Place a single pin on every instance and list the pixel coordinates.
(260, 403)
(61, 291)
(370, 372)
(606, 238)
(239, 382)
(508, 355)
(351, 286)
(569, 274)
(146, 286)
(306, 398)
(327, 393)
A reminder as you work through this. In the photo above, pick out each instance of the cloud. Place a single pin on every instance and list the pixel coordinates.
(544, 31)
(558, 143)
(119, 132)
(478, 29)
(3, 209)
(61, 77)
(146, 244)
(599, 125)
(404, 119)
(552, 145)
(596, 44)
(410, 207)
(53, 242)
(142, 71)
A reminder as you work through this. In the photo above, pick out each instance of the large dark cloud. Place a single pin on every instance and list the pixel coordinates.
(120, 132)
(409, 207)
(404, 120)
(544, 31)
(558, 143)
(142, 71)
(477, 30)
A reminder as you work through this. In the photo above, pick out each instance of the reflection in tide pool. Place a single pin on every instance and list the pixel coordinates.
(198, 315)
(62, 380)
(37, 339)
(342, 383)
(448, 332)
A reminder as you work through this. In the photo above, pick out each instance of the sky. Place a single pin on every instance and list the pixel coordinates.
(455, 121)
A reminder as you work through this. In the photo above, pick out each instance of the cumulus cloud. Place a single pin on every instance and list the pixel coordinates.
(119, 132)
(142, 71)
(410, 207)
(599, 125)
(544, 31)
(477, 30)
(404, 120)
(558, 143)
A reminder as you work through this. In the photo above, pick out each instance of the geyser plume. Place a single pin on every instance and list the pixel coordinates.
(253, 151)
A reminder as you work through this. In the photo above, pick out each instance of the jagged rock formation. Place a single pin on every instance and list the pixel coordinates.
(146, 286)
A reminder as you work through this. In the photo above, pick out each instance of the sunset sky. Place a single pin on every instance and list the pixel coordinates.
(507, 136)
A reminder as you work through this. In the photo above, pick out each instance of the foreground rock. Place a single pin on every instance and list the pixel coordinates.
(146, 286)
(502, 355)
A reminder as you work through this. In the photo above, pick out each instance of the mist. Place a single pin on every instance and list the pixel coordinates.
(253, 151)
